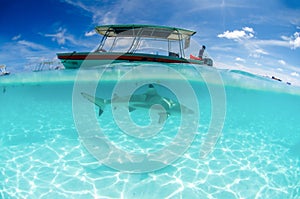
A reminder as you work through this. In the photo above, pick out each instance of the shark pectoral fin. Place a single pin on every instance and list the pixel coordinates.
(131, 109)
(162, 117)
(100, 112)
(97, 101)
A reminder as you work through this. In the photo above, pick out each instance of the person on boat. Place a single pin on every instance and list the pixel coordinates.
(201, 52)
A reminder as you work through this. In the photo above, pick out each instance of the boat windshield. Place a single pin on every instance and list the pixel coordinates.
(146, 45)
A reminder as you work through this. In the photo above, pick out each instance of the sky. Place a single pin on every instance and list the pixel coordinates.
(257, 36)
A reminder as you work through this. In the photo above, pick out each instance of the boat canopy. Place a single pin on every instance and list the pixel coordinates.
(149, 31)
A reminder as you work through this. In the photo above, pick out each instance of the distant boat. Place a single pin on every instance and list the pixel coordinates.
(3, 70)
(275, 78)
(47, 65)
(136, 43)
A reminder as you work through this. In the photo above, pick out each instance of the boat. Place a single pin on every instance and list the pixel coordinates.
(135, 43)
(3, 70)
(46, 65)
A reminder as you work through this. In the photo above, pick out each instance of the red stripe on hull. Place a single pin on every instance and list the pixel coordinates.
(122, 57)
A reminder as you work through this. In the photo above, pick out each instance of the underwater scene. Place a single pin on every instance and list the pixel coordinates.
(148, 131)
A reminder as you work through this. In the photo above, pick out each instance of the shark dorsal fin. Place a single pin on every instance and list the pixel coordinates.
(151, 90)
(150, 93)
(151, 86)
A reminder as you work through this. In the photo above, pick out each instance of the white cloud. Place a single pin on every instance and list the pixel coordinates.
(295, 74)
(27, 52)
(282, 62)
(108, 18)
(240, 59)
(272, 42)
(91, 33)
(245, 33)
(221, 48)
(257, 53)
(258, 64)
(292, 41)
(261, 51)
(31, 45)
(285, 38)
(101, 14)
(295, 40)
(247, 29)
(63, 37)
(16, 37)
(60, 36)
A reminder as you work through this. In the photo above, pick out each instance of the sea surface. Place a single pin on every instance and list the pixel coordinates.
(245, 144)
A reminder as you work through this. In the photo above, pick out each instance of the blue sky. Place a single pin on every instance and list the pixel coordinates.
(258, 36)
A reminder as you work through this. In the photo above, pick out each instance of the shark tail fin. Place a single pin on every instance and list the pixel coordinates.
(101, 104)
(97, 101)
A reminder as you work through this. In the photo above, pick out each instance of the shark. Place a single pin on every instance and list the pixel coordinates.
(145, 100)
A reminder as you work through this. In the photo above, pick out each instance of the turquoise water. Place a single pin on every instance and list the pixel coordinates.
(42, 155)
